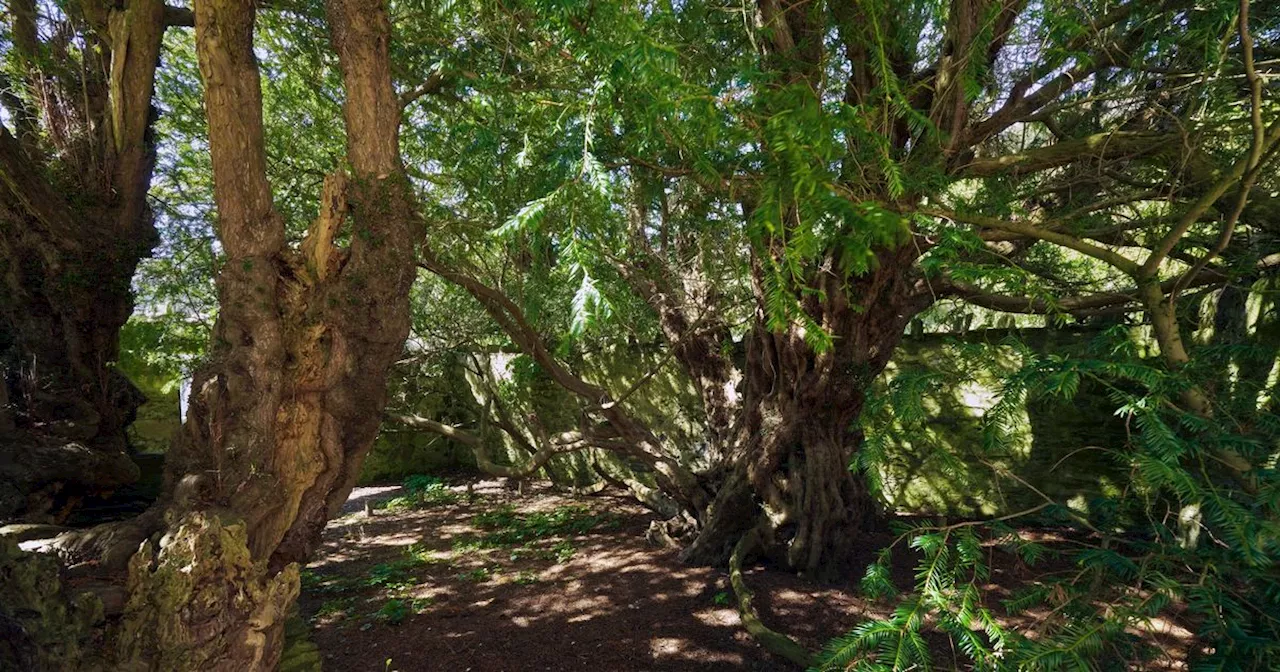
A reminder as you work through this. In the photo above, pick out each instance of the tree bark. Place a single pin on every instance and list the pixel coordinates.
(74, 223)
(792, 480)
(288, 405)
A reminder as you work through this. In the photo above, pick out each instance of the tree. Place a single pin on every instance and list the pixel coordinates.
(828, 140)
(74, 222)
(774, 199)
(292, 393)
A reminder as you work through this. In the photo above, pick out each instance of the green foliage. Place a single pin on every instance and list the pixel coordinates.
(477, 575)
(422, 491)
(420, 485)
(570, 148)
(397, 610)
(525, 578)
(393, 576)
(510, 528)
(396, 576)
(394, 612)
(1184, 542)
(336, 608)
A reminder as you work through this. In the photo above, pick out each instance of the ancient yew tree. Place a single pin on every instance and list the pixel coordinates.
(798, 188)
(76, 161)
(768, 197)
(290, 402)
(290, 399)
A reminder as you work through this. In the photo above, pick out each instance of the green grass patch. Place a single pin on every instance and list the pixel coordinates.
(562, 551)
(396, 611)
(477, 575)
(508, 528)
(336, 609)
(395, 576)
(421, 492)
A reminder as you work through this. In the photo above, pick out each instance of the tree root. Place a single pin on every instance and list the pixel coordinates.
(653, 498)
(774, 642)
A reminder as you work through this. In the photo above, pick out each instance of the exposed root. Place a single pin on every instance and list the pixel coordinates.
(653, 498)
(589, 490)
(774, 642)
(105, 548)
(670, 533)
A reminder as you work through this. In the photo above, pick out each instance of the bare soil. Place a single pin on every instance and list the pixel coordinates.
(467, 587)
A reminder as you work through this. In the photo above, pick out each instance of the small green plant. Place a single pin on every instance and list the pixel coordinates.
(394, 612)
(310, 580)
(420, 483)
(398, 574)
(509, 528)
(721, 598)
(464, 545)
(421, 491)
(526, 578)
(422, 556)
(563, 551)
(319, 583)
(394, 576)
(477, 575)
(336, 609)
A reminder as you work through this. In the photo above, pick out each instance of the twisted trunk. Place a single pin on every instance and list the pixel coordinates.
(74, 224)
(791, 479)
(289, 403)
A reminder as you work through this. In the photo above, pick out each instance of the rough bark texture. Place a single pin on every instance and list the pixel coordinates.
(290, 400)
(201, 601)
(73, 225)
(41, 626)
(791, 479)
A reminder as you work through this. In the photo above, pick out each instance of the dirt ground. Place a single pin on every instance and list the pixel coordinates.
(491, 580)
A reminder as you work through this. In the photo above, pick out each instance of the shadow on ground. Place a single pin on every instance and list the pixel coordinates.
(617, 603)
(492, 580)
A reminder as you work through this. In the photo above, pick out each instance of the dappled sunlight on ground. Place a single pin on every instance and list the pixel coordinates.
(493, 580)
(601, 599)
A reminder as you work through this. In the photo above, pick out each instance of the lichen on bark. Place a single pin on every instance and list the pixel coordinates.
(42, 625)
(199, 601)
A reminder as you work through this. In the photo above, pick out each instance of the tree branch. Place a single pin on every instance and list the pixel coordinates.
(535, 462)
(430, 86)
(1113, 258)
(1256, 149)
(637, 438)
(1107, 146)
(1240, 172)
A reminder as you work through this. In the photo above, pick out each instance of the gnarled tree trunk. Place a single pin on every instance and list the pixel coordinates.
(792, 479)
(74, 224)
(289, 403)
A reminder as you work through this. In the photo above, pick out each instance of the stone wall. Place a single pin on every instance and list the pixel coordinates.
(943, 463)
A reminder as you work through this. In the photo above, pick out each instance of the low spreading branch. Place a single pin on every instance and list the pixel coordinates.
(633, 437)
(1109, 146)
(1091, 304)
(773, 641)
(1111, 257)
(473, 441)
